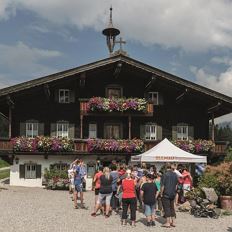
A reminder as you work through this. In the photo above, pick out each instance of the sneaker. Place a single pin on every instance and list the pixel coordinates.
(152, 223)
(148, 224)
(93, 214)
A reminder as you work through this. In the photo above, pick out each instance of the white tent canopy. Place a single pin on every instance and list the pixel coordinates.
(165, 151)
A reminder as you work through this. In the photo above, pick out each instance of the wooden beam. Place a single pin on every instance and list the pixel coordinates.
(151, 82)
(180, 97)
(81, 126)
(117, 70)
(214, 108)
(47, 91)
(9, 121)
(213, 128)
(82, 79)
(129, 126)
(10, 101)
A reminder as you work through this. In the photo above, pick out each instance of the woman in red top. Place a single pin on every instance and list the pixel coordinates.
(128, 198)
(96, 181)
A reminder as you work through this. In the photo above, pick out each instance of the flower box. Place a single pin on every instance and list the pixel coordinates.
(42, 144)
(99, 104)
(195, 146)
(113, 145)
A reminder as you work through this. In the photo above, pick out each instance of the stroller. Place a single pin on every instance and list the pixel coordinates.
(204, 207)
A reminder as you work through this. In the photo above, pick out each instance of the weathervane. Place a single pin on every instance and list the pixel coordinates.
(111, 32)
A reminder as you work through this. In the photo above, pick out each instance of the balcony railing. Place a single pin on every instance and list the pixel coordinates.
(84, 109)
(5, 145)
(81, 147)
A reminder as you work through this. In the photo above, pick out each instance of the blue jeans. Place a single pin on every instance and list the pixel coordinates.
(149, 210)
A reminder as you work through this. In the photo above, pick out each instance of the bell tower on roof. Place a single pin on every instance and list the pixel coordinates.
(110, 32)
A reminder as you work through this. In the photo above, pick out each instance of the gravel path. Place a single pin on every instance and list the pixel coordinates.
(35, 209)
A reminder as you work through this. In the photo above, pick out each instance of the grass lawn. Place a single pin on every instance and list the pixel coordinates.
(3, 164)
(4, 174)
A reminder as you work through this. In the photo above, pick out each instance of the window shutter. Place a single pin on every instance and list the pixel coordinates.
(56, 95)
(38, 171)
(41, 129)
(71, 131)
(174, 132)
(22, 129)
(190, 132)
(22, 171)
(159, 132)
(72, 96)
(160, 99)
(142, 131)
(53, 129)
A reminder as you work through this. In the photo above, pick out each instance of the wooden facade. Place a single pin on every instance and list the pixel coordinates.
(180, 103)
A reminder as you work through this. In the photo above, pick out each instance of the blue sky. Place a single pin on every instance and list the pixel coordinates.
(191, 39)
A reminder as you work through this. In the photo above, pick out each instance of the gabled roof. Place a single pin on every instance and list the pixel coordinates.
(111, 60)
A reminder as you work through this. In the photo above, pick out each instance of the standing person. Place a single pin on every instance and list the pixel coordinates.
(105, 192)
(96, 181)
(168, 192)
(128, 198)
(187, 180)
(115, 177)
(158, 201)
(78, 182)
(149, 194)
(71, 175)
(83, 173)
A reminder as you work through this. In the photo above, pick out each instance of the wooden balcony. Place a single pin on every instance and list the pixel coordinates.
(220, 148)
(80, 147)
(84, 111)
(5, 145)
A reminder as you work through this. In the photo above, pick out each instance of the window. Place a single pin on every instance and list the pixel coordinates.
(150, 132)
(64, 96)
(31, 129)
(60, 166)
(114, 92)
(30, 171)
(182, 132)
(62, 130)
(92, 130)
(113, 131)
(153, 97)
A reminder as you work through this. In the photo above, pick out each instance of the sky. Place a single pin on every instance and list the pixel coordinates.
(190, 39)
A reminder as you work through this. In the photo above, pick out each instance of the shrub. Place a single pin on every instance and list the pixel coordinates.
(218, 177)
(228, 157)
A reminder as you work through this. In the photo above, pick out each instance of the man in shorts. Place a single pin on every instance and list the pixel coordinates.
(168, 193)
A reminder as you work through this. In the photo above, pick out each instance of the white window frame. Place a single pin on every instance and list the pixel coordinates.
(181, 135)
(152, 99)
(66, 96)
(62, 133)
(92, 133)
(30, 171)
(34, 131)
(150, 131)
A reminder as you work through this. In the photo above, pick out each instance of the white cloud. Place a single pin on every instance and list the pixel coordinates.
(21, 61)
(221, 83)
(191, 25)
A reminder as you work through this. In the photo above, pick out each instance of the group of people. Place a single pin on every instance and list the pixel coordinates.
(130, 188)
